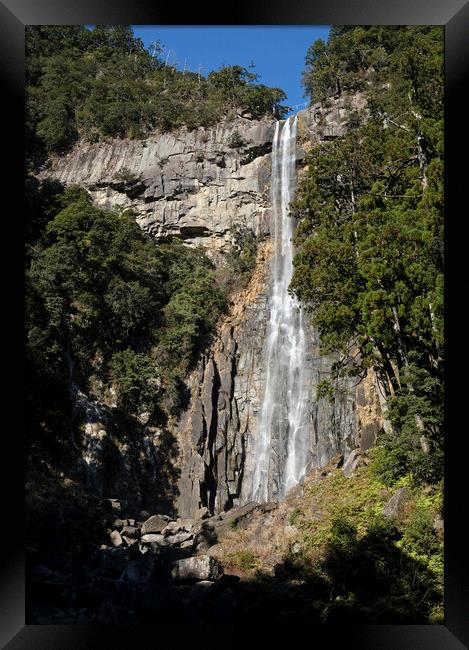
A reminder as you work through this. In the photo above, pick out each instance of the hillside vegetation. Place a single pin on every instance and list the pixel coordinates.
(370, 237)
(102, 83)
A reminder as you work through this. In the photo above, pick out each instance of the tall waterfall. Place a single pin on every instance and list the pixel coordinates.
(284, 435)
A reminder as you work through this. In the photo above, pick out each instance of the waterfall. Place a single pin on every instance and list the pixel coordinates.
(283, 441)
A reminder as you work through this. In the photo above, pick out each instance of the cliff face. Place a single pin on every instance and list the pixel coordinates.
(198, 186)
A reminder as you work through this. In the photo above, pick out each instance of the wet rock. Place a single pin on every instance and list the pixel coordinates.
(395, 507)
(201, 567)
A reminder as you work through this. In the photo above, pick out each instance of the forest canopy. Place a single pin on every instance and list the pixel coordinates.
(370, 238)
(98, 83)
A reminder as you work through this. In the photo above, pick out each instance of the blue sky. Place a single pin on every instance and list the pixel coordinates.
(278, 52)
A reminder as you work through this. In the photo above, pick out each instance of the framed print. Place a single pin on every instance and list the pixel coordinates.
(234, 312)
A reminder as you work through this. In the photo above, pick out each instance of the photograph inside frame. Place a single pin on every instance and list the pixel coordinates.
(234, 319)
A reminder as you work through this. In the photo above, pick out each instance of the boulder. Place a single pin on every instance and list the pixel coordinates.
(179, 538)
(153, 538)
(139, 571)
(188, 544)
(116, 539)
(201, 567)
(202, 513)
(353, 461)
(129, 531)
(155, 524)
(394, 508)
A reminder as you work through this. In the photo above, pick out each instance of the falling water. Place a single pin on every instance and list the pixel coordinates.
(283, 440)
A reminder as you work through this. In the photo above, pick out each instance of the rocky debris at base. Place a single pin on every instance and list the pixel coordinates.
(202, 567)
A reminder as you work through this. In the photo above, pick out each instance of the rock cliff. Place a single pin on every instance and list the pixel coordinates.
(198, 186)
(195, 185)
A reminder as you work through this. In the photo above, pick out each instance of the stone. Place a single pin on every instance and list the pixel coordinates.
(129, 540)
(154, 538)
(179, 538)
(395, 507)
(353, 461)
(139, 571)
(155, 524)
(188, 544)
(113, 504)
(201, 567)
(202, 513)
(439, 525)
(129, 531)
(118, 524)
(116, 539)
(185, 524)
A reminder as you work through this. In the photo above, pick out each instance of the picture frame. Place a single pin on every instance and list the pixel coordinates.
(454, 15)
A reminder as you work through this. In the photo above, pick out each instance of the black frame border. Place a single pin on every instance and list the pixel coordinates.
(454, 15)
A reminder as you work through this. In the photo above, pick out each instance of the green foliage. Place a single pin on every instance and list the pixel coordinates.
(240, 259)
(245, 560)
(126, 175)
(102, 83)
(361, 566)
(295, 516)
(107, 304)
(369, 261)
(235, 140)
(325, 390)
(133, 375)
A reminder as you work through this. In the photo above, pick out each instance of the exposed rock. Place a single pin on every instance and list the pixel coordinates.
(189, 184)
(179, 538)
(154, 538)
(201, 567)
(353, 460)
(155, 524)
(395, 507)
(116, 539)
(328, 120)
(129, 531)
(202, 513)
(439, 525)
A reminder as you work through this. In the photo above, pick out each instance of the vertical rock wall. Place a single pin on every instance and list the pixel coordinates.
(195, 186)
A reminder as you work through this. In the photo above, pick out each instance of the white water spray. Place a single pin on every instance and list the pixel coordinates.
(283, 440)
